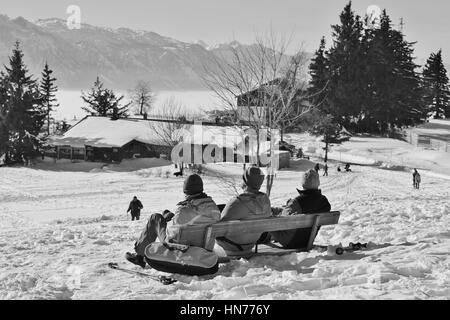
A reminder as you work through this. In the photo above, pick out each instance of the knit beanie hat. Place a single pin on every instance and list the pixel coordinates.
(193, 185)
(253, 178)
(310, 180)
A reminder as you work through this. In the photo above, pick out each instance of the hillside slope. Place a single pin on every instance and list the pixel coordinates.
(60, 229)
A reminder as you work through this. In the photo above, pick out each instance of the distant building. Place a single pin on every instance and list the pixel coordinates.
(105, 140)
(251, 106)
(229, 141)
(102, 139)
(232, 143)
(433, 135)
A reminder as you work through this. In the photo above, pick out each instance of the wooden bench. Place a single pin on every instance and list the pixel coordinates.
(232, 228)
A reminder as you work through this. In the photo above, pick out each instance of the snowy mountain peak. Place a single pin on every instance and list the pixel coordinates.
(234, 44)
(122, 55)
(51, 22)
(202, 44)
(223, 46)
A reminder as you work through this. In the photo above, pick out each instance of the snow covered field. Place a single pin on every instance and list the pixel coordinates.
(388, 153)
(59, 229)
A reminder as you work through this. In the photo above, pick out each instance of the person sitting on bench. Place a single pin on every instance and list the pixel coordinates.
(251, 204)
(196, 208)
(309, 201)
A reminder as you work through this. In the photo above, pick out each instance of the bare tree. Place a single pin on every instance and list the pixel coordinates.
(228, 183)
(288, 95)
(142, 97)
(170, 120)
(262, 85)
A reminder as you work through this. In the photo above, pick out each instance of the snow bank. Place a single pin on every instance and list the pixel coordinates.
(66, 165)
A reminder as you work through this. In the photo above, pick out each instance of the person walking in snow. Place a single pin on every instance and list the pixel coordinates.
(135, 207)
(416, 179)
(196, 209)
(325, 170)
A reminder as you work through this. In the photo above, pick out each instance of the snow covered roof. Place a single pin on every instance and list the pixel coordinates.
(104, 132)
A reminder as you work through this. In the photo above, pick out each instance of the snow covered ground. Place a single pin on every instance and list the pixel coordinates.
(385, 152)
(59, 228)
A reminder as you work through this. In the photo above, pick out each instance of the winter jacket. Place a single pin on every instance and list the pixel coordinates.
(309, 201)
(247, 206)
(195, 210)
(135, 207)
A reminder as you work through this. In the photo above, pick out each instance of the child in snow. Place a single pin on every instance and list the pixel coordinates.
(196, 208)
(325, 170)
(135, 207)
(416, 179)
(251, 204)
(310, 200)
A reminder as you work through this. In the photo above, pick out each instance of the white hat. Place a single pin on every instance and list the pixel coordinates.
(310, 180)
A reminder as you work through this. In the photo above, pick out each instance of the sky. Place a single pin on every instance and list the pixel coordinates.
(212, 21)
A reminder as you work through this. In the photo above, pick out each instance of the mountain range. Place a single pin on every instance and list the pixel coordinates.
(120, 56)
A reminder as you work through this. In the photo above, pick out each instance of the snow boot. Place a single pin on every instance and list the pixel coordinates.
(135, 259)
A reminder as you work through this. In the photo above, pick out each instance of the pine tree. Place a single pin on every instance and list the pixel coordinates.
(103, 102)
(48, 89)
(381, 77)
(372, 82)
(319, 72)
(393, 95)
(22, 107)
(346, 66)
(436, 86)
(4, 131)
(326, 126)
(142, 97)
(409, 108)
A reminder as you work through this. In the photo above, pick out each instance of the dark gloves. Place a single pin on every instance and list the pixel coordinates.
(276, 211)
(168, 215)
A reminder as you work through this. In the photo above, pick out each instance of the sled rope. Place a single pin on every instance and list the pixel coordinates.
(163, 279)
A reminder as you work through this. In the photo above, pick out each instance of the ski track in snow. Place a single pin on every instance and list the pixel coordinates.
(60, 229)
